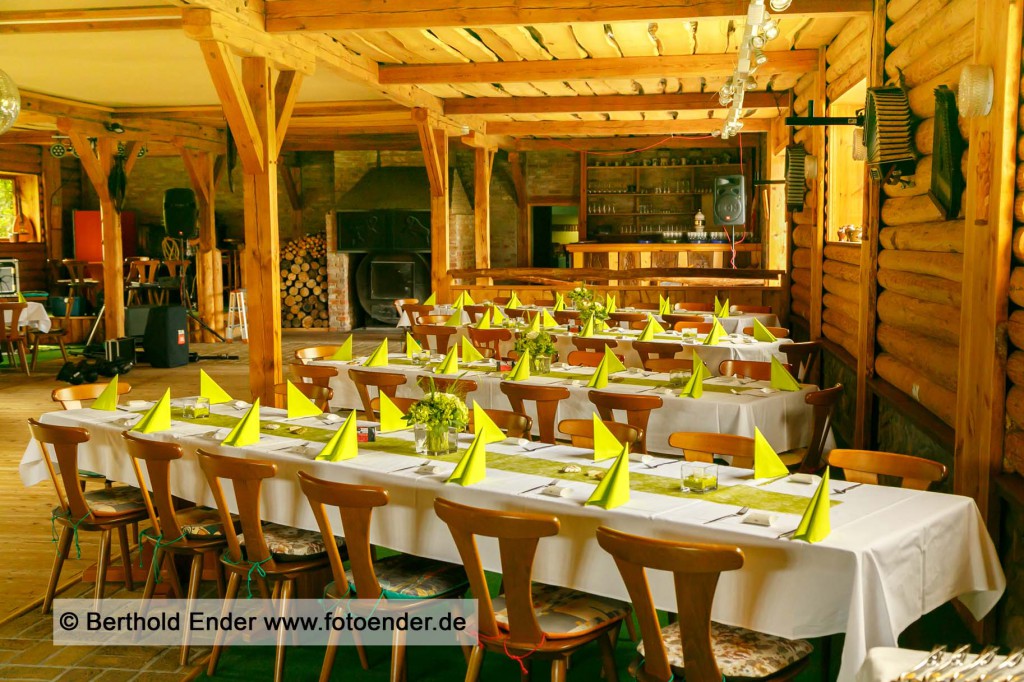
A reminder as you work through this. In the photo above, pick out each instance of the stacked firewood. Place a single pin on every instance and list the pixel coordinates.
(304, 282)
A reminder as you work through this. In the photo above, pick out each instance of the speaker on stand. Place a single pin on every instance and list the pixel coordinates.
(730, 205)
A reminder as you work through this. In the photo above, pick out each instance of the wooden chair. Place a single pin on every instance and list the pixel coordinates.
(514, 425)
(669, 365)
(805, 356)
(100, 511)
(626, 319)
(702, 447)
(581, 432)
(566, 317)
(641, 304)
(658, 349)
(673, 319)
(694, 306)
(777, 332)
(489, 338)
(401, 303)
(752, 369)
(401, 403)
(544, 302)
(386, 382)
(72, 397)
(315, 352)
(865, 466)
(502, 300)
(403, 577)
(55, 335)
(694, 638)
(460, 387)
(319, 375)
(593, 344)
(823, 403)
(696, 327)
(475, 312)
(584, 358)
(320, 395)
(413, 311)
(637, 406)
(80, 284)
(516, 623)
(142, 278)
(547, 399)
(435, 337)
(520, 313)
(193, 532)
(11, 334)
(283, 554)
(431, 319)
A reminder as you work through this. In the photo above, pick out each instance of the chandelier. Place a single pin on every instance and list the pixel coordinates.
(10, 102)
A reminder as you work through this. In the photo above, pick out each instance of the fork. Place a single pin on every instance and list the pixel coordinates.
(983, 659)
(954, 660)
(843, 491)
(539, 487)
(741, 512)
(1013, 659)
(932, 659)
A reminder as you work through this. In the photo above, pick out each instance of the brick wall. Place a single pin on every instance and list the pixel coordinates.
(553, 173)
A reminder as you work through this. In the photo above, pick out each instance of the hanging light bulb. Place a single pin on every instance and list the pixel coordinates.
(750, 83)
(771, 29)
(724, 97)
(758, 57)
(758, 41)
(780, 5)
(10, 102)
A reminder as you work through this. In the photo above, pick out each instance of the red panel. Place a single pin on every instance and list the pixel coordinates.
(89, 238)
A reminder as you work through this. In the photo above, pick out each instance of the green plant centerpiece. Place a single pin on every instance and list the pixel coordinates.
(592, 309)
(541, 347)
(579, 297)
(439, 412)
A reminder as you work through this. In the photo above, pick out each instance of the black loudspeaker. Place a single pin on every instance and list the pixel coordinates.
(166, 339)
(181, 214)
(730, 200)
(135, 318)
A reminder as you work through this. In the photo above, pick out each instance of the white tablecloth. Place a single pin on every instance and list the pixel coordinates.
(33, 316)
(783, 417)
(893, 554)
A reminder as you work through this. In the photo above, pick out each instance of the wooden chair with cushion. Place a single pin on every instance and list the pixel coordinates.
(12, 335)
(513, 424)
(702, 447)
(657, 349)
(489, 338)
(401, 303)
(386, 382)
(414, 311)
(434, 337)
(810, 460)
(669, 365)
(566, 317)
(320, 375)
(695, 306)
(315, 352)
(142, 278)
(637, 406)
(282, 554)
(620, 319)
(584, 358)
(777, 332)
(696, 327)
(593, 344)
(805, 356)
(526, 621)
(73, 397)
(319, 395)
(194, 533)
(102, 511)
(751, 369)
(865, 466)
(581, 432)
(547, 399)
(55, 335)
(711, 652)
(400, 576)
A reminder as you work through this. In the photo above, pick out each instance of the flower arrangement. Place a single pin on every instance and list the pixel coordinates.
(580, 296)
(441, 409)
(539, 344)
(592, 309)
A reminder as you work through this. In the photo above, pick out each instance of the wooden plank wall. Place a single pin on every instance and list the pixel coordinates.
(1013, 444)
(920, 260)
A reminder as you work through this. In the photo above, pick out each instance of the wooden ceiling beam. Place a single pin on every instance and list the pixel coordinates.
(286, 91)
(344, 15)
(297, 142)
(282, 53)
(589, 128)
(237, 110)
(690, 101)
(779, 61)
(626, 144)
(100, 19)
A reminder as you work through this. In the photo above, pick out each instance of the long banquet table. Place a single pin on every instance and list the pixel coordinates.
(892, 556)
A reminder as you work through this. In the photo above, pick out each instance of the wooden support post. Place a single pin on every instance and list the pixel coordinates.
(523, 242)
(434, 143)
(582, 214)
(482, 209)
(53, 207)
(199, 165)
(818, 243)
(988, 216)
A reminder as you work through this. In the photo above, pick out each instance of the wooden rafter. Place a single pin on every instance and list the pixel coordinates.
(285, 54)
(690, 101)
(92, 20)
(237, 110)
(286, 91)
(647, 141)
(96, 168)
(329, 15)
(432, 156)
(570, 128)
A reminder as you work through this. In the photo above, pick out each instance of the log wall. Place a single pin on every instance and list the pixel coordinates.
(803, 223)
(1013, 445)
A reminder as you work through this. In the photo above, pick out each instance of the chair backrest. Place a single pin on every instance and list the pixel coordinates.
(696, 569)
(64, 442)
(489, 338)
(752, 369)
(584, 358)
(320, 395)
(460, 387)
(520, 313)
(566, 317)
(865, 466)
(400, 303)
(620, 318)
(637, 407)
(143, 270)
(158, 456)
(517, 535)
(547, 399)
(71, 397)
(672, 318)
(78, 270)
(702, 447)
(12, 330)
(514, 425)
(581, 432)
(313, 374)
(386, 382)
(804, 356)
(694, 305)
(316, 352)
(69, 307)
(641, 304)
(697, 327)
(436, 337)
(544, 302)
(502, 300)
(246, 477)
(401, 403)
(658, 349)
(176, 268)
(669, 364)
(432, 319)
(355, 504)
(414, 310)
(593, 343)
(476, 311)
(777, 332)
(823, 404)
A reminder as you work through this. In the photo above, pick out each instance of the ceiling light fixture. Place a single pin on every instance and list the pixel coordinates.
(10, 102)
(114, 127)
(780, 5)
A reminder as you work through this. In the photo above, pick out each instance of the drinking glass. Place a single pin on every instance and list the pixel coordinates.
(419, 434)
(698, 477)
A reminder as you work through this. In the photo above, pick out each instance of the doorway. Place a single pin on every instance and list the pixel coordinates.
(552, 227)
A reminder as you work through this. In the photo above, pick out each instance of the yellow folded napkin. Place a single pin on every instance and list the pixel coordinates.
(455, 320)
(158, 418)
(602, 326)
(21, 298)
(614, 364)
(521, 371)
(650, 329)
(472, 468)
(513, 302)
(484, 426)
(546, 320)
(664, 305)
(247, 430)
(599, 379)
(379, 357)
(559, 303)
(485, 320)
(613, 490)
(609, 303)
(344, 352)
(699, 366)
(299, 405)
(211, 390)
(588, 328)
(450, 364)
(463, 300)
(107, 400)
(694, 387)
(721, 309)
(469, 351)
(496, 316)
(391, 418)
(816, 523)
(344, 444)
(716, 334)
(412, 346)
(781, 378)
(606, 445)
(761, 332)
(431, 300)
(766, 463)
(534, 325)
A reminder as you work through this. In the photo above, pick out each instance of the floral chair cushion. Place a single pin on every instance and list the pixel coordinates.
(285, 542)
(563, 613)
(115, 501)
(739, 652)
(201, 522)
(404, 576)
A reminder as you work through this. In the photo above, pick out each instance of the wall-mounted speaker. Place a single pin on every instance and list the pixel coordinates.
(730, 200)
(181, 214)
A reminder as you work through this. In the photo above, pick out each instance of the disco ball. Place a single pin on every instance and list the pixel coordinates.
(10, 102)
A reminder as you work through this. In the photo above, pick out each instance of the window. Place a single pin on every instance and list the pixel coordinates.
(8, 208)
(844, 208)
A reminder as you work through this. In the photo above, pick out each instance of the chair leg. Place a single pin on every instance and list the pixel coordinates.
(23, 354)
(63, 350)
(218, 639)
(631, 626)
(219, 576)
(126, 558)
(475, 662)
(195, 577)
(63, 546)
(101, 568)
(611, 674)
(172, 571)
(286, 591)
(361, 650)
(330, 654)
(558, 670)
(398, 656)
(151, 575)
(35, 352)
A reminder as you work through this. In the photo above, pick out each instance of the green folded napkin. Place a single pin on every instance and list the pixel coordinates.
(431, 300)
(694, 387)
(379, 357)
(158, 418)
(344, 352)
(450, 364)
(521, 370)
(484, 426)
(559, 303)
(606, 445)
(107, 399)
(721, 309)
(344, 444)
(412, 346)
(455, 320)
(299, 405)
(545, 319)
(766, 462)
(664, 305)
(485, 320)
(609, 303)
(513, 302)
(614, 364)
(650, 329)
(534, 325)
(588, 328)
(781, 378)
(247, 430)
(391, 417)
(496, 316)
(21, 298)
(211, 390)
(463, 300)
(469, 351)
(761, 332)
(599, 379)
(700, 367)
(716, 334)
(472, 468)
(816, 523)
(613, 490)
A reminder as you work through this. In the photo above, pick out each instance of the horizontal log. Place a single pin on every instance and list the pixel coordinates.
(1018, 208)
(922, 97)
(841, 321)
(910, 22)
(852, 31)
(957, 48)
(805, 84)
(856, 51)
(1015, 406)
(921, 287)
(803, 236)
(847, 341)
(945, 236)
(844, 271)
(924, 136)
(1017, 285)
(1015, 329)
(897, 9)
(843, 306)
(840, 287)
(849, 78)
(945, 265)
(1018, 244)
(802, 258)
(929, 35)
(801, 309)
(936, 399)
(931, 320)
(906, 210)
(807, 217)
(800, 105)
(1013, 450)
(844, 253)
(801, 276)
(934, 359)
(800, 293)
(920, 182)
(1015, 367)
(1019, 178)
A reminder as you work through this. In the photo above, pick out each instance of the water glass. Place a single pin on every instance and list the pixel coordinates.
(698, 477)
(198, 409)
(419, 434)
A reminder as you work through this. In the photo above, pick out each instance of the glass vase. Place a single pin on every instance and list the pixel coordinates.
(540, 364)
(437, 440)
